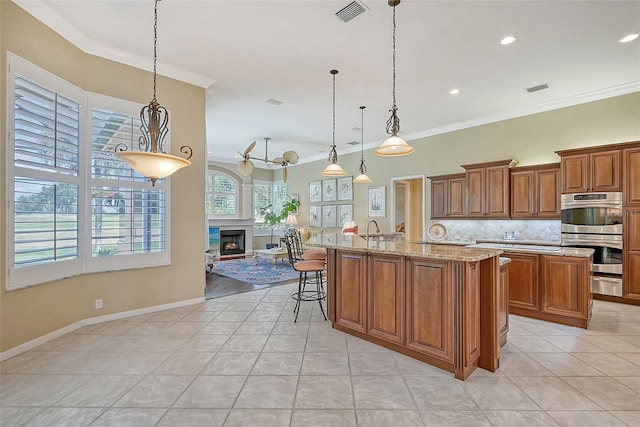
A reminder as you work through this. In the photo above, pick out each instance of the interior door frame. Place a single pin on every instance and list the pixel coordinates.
(392, 212)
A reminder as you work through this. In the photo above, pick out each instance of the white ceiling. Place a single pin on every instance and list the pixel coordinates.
(246, 52)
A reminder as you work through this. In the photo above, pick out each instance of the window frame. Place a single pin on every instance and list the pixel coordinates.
(213, 172)
(260, 231)
(18, 278)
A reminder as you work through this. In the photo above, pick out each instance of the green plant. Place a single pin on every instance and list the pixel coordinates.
(273, 218)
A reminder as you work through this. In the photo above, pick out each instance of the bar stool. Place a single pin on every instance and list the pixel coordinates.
(304, 267)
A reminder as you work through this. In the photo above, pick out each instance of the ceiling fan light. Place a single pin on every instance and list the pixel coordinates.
(394, 146)
(362, 179)
(333, 169)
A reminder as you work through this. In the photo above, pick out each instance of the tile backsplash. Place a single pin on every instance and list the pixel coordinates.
(467, 230)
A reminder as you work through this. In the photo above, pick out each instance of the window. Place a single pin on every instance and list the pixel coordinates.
(222, 195)
(72, 202)
(264, 194)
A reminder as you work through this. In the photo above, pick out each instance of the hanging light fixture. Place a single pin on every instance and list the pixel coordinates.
(333, 169)
(151, 160)
(394, 145)
(362, 178)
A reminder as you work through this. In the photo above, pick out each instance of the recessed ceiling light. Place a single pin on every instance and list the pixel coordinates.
(454, 91)
(507, 40)
(628, 38)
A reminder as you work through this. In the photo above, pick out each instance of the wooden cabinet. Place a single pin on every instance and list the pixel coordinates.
(429, 308)
(386, 290)
(591, 169)
(535, 192)
(631, 261)
(631, 174)
(523, 282)
(350, 290)
(487, 192)
(566, 289)
(447, 196)
(503, 304)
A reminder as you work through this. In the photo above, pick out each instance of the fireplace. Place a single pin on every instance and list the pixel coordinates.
(231, 242)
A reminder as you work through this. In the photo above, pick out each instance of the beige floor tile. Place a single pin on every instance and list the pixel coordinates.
(331, 392)
(264, 316)
(497, 394)
(326, 343)
(53, 417)
(325, 364)
(100, 391)
(520, 418)
(357, 345)
(380, 418)
(383, 392)
(606, 392)
(521, 365)
(183, 363)
(193, 418)
(245, 343)
(573, 344)
(18, 416)
(373, 364)
(37, 390)
(219, 327)
(530, 344)
(185, 328)
(232, 316)
(439, 393)
(565, 365)
(285, 344)
(632, 382)
(410, 366)
(274, 392)
(155, 391)
(204, 343)
(585, 419)
(323, 418)
(255, 328)
(258, 417)
(278, 364)
(241, 306)
(554, 394)
(200, 316)
(455, 418)
(230, 364)
(631, 418)
(211, 392)
(608, 363)
(290, 328)
(129, 417)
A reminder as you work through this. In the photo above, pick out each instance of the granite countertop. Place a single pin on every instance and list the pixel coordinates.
(401, 247)
(504, 261)
(539, 248)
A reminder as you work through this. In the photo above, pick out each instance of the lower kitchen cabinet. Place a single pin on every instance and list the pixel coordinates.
(523, 282)
(503, 303)
(566, 289)
(350, 290)
(631, 262)
(385, 282)
(429, 308)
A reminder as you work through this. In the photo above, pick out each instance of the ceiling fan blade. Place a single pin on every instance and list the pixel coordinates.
(278, 161)
(284, 173)
(290, 157)
(245, 167)
(238, 154)
(249, 148)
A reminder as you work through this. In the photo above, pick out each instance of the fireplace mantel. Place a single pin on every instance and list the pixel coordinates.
(245, 224)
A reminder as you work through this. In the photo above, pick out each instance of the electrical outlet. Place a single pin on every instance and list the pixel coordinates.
(99, 303)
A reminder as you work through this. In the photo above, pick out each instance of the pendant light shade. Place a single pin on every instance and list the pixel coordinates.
(333, 169)
(151, 160)
(362, 178)
(394, 145)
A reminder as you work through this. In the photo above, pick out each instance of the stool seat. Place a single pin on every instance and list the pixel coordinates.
(314, 254)
(309, 265)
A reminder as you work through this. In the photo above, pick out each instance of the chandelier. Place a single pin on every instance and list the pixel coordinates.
(333, 169)
(151, 160)
(362, 178)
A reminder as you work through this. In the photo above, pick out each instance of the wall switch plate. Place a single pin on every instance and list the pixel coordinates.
(98, 303)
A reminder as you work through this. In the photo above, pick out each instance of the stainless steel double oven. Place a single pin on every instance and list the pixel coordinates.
(594, 220)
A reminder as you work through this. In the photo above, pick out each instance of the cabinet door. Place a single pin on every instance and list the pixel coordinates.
(430, 308)
(566, 290)
(631, 262)
(439, 198)
(547, 193)
(503, 304)
(475, 192)
(575, 169)
(497, 191)
(631, 172)
(522, 194)
(385, 298)
(606, 171)
(456, 197)
(351, 282)
(523, 281)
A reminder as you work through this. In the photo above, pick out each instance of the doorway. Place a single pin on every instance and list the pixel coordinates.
(408, 213)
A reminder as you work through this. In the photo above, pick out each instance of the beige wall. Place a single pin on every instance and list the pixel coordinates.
(29, 313)
(530, 139)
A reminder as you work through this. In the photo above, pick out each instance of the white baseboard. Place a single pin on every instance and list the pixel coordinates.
(93, 321)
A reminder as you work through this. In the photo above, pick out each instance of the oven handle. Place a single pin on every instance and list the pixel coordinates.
(582, 243)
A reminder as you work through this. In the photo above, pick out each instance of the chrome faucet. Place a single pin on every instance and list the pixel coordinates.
(367, 231)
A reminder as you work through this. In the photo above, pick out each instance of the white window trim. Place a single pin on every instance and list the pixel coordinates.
(238, 194)
(257, 231)
(85, 264)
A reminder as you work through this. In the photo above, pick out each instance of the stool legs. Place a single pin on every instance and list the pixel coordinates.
(300, 295)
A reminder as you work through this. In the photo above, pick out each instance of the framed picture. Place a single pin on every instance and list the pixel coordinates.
(214, 238)
(329, 190)
(315, 191)
(345, 188)
(329, 216)
(315, 216)
(377, 202)
(345, 213)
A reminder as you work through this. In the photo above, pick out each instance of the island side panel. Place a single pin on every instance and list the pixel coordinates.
(386, 298)
(331, 284)
(490, 303)
(350, 290)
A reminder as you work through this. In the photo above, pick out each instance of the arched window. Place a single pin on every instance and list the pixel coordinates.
(222, 194)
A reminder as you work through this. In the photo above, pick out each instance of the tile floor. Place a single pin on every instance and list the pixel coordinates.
(241, 361)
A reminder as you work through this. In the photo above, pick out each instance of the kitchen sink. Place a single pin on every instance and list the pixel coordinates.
(383, 236)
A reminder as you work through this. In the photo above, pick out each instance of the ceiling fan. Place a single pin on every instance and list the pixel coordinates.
(245, 166)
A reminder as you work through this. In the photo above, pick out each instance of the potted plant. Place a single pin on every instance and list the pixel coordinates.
(274, 218)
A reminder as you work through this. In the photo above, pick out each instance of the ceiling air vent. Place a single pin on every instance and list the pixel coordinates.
(350, 11)
(273, 101)
(353, 143)
(537, 88)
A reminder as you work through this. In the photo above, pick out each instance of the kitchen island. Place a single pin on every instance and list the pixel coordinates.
(435, 303)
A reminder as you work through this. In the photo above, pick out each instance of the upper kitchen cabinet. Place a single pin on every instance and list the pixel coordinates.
(487, 192)
(448, 196)
(631, 174)
(535, 192)
(594, 169)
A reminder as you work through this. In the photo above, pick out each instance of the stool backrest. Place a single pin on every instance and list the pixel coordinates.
(294, 245)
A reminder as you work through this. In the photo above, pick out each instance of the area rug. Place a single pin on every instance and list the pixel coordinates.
(256, 273)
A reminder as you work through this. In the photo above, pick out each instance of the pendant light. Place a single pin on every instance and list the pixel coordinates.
(333, 169)
(362, 178)
(394, 145)
(151, 160)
